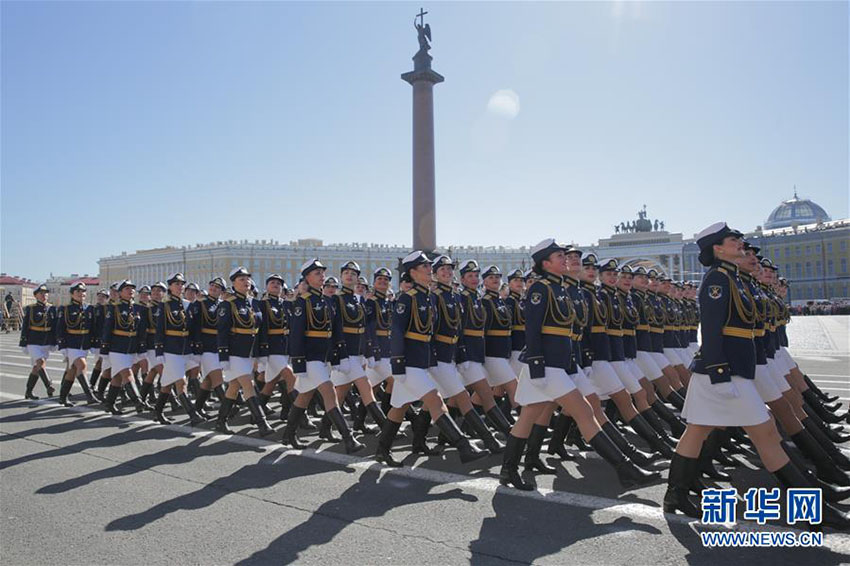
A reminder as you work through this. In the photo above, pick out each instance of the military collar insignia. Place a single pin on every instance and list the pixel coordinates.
(380, 294)
(444, 287)
(420, 288)
(346, 290)
(554, 278)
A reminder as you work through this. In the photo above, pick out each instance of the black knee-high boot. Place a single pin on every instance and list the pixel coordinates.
(574, 437)
(290, 436)
(826, 468)
(708, 452)
(509, 473)
(645, 431)
(385, 443)
(468, 451)
(286, 400)
(559, 434)
(258, 416)
(64, 390)
(421, 424)
(830, 492)
(135, 398)
(476, 423)
(351, 444)
(677, 427)
(629, 473)
(655, 422)
(264, 399)
(359, 419)
(532, 453)
(325, 425)
(48, 384)
(790, 476)
(101, 389)
(676, 400)
(818, 391)
(201, 404)
(81, 379)
(194, 417)
(813, 402)
(95, 373)
(496, 418)
(30, 385)
(109, 400)
(223, 415)
(683, 472)
(823, 439)
(639, 457)
(160, 407)
(377, 414)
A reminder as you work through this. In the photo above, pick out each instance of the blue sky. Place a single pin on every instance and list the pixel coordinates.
(135, 125)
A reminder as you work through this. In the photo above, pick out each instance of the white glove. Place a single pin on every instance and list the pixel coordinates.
(726, 390)
(345, 365)
(370, 362)
(400, 377)
(225, 366)
(464, 366)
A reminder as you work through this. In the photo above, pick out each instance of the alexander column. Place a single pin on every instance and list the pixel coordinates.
(422, 78)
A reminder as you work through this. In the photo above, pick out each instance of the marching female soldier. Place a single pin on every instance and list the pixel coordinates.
(123, 327)
(237, 323)
(412, 340)
(274, 336)
(514, 300)
(314, 334)
(670, 385)
(95, 332)
(721, 391)
(38, 338)
(204, 321)
(378, 321)
(472, 349)
(73, 326)
(172, 344)
(352, 318)
(548, 332)
(152, 314)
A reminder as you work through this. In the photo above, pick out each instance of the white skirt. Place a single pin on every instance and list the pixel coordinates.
(624, 374)
(516, 365)
(673, 357)
(778, 375)
(192, 361)
(765, 385)
(355, 371)
(472, 374)
(585, 386)
(154, 360)
(119, 361)
(703, 406)
(498, 371)
(660, 359)
(275, 363)
(414, 385)
(447, 378)
(239, 367)
(105, 363)
(604, 377)
(317, 373)
(785, 359)
(173, 369)
(556, 384)
(379, 373)
(37, 352)
(646, 363)
(71, 355)
(209, 363)
(684, 355)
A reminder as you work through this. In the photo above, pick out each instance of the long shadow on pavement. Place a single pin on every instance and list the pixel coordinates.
(526, 529)
(175, 455)
(367, 498)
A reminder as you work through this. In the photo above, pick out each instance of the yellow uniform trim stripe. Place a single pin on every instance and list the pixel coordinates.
(498, 333)
(243, 330)
(557, 331)
(445, 339)
(178, 333)
(278, 331)
(353, 330)
(318, 334)
(737, 332)
(123, 333)
(476, 333)
(417, 336)
(382, 332)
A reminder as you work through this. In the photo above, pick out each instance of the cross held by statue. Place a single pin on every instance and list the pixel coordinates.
(421, 16)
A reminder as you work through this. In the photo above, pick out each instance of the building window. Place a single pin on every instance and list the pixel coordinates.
(808, 269)
(787, 251)
(809, 293)
(830, 269)
(808, 250)
(797, 250)
(798, 270)
(818, 272)
(843, 245)
(829, 247)
(843, 264)
(817, 248)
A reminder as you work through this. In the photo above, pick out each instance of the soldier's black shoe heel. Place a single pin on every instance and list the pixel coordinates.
(385, 443)
(683, 474)
(468, 452)
(629, 474)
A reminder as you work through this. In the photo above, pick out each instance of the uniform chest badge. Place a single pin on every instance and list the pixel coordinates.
(400, 308)
(715, 291)
(351, 306)
(297, 311)
(423, 308)
(212, 309)
(243, 311)
(536, 298)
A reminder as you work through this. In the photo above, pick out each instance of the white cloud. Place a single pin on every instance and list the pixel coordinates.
(504, 103)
